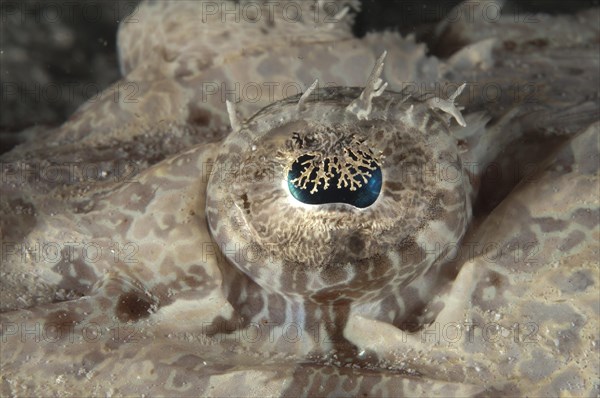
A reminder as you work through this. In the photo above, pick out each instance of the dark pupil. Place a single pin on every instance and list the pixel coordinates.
(363, 195)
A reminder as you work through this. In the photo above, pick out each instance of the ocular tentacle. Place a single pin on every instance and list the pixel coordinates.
(374, 87)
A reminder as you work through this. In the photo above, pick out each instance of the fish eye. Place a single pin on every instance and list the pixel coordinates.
(351, 175)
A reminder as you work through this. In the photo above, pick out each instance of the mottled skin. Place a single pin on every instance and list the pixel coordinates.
(166, 306)
(326, 261)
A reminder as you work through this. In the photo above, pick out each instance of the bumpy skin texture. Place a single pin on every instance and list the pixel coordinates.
(146, 286)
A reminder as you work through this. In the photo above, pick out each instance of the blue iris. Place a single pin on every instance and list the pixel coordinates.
(362, 197)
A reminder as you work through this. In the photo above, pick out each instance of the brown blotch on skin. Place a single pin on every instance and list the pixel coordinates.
(549, 224)
(59, 325)
(577, 282)
(411, 252)
(198, 116)
(356, 243)
(496, 280)
(131, 307)
(540, 43)
(587, 217)
(333, 275)
(574, 71)
(246, 203)
(574, 239)
(192, 281)
(509, 45)
(222, 325)
(171, 26)
(395, 186)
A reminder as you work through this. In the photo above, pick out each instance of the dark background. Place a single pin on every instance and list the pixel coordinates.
(71, 46)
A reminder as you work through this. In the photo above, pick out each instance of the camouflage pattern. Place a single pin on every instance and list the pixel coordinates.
(149, 250)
